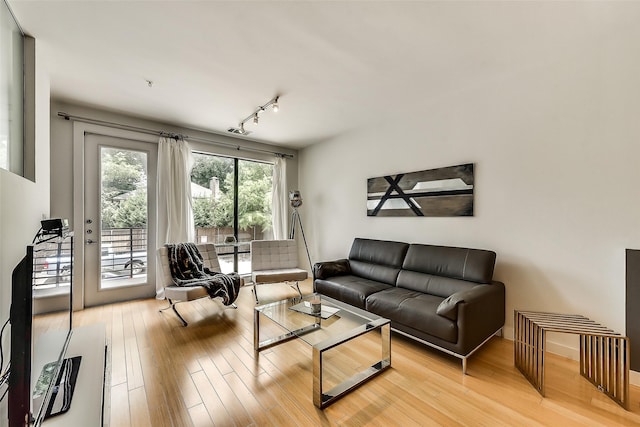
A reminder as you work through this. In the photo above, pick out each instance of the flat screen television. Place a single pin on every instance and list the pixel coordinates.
(41, 380)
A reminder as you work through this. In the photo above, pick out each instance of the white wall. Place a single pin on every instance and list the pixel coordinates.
(556, 147)
(23, 203)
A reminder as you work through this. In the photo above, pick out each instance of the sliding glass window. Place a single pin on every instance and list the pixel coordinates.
(11, 93)
(231, 206)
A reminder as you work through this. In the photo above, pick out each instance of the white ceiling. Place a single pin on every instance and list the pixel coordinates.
(337, 66)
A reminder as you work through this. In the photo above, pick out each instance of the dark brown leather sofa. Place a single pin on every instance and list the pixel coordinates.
(442, 296)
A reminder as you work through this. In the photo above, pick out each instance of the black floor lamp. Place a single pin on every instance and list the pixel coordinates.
(296, 201)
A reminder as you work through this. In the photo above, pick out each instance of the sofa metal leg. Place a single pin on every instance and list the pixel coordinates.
(173, 306)
(464, 366)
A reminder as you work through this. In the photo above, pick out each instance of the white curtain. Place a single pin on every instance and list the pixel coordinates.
(175, 212)
(279, 199)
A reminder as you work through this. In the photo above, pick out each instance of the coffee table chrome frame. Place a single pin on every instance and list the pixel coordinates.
(322, 398)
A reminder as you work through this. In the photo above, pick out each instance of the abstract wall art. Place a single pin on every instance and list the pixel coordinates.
(434, 192)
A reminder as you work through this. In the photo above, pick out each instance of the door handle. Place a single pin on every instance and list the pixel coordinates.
(89, 241)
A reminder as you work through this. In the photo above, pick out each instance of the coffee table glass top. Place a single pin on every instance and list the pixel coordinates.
(314, 329)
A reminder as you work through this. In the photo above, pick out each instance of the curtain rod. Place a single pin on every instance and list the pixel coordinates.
(170, 134)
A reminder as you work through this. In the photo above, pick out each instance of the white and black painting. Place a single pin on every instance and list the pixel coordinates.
(435, 192)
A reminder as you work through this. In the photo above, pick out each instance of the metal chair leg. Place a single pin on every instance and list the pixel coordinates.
(255, 292)
(173, 306)
(184, 322)
(297, 287)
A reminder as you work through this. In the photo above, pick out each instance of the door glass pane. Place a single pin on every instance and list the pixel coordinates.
(213, 206)
(123, 212)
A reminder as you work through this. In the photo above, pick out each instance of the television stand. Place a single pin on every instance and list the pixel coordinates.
(62, 392)
(86, 408)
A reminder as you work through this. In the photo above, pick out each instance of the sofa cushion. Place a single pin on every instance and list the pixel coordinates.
(324, 270)
(350, 289)
(378, 260)
(414, 309)
(376, 272)
(430, 284)
(475, 265)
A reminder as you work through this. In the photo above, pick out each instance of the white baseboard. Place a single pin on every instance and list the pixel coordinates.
(563, 350)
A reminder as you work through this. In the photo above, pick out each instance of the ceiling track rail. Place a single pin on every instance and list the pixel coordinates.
(169, 134)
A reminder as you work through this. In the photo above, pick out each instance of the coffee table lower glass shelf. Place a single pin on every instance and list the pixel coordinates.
(324, 334)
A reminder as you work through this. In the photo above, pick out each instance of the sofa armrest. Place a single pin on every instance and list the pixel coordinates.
(481, 294)
(481, 316)
(324, 270)
(449, 307)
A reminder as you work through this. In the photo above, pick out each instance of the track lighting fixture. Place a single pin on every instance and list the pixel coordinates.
(273, 103)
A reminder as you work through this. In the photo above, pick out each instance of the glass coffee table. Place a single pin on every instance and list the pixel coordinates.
(337, 324)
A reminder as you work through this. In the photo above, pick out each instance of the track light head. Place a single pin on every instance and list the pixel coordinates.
(254, 116)
(239, 130)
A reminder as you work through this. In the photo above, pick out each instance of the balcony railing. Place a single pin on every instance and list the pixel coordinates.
(52, 267)
(123, 253)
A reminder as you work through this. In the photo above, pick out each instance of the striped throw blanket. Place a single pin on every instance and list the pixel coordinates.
(187, 269)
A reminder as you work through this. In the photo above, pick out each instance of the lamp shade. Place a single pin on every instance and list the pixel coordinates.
(295, 198)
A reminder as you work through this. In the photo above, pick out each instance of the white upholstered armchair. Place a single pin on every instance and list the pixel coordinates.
(177, 294)
(275, 261)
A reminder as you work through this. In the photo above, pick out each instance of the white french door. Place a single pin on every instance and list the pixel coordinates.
(119, 219)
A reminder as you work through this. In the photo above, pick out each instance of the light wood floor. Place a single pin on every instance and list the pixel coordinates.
(162, 374)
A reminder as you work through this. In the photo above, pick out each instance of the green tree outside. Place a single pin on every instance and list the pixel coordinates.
(207, 167)
(124, 196)
(132, 212)
(254, 194)
(202, 212)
